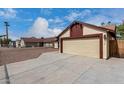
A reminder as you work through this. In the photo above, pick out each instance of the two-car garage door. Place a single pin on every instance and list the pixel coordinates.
(89, 47)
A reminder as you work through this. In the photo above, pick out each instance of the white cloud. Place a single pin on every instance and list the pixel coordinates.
(8, 13)
(13, 37)
(55, 20)
(46, 11)
(98, 19)
(14, 34)
(114, 15)
(104, 15)
(40, 29)
(74, 15)
(55, 31)
(28, 20)
(115, 12)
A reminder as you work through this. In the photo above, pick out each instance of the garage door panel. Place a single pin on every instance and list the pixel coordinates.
(84, 47)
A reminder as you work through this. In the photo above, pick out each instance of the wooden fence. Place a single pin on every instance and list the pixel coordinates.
(116, 48)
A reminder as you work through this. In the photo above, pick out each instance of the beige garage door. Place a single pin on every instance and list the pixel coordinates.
(85, 47)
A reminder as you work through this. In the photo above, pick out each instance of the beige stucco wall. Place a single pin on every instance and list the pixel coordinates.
(55, 44)
(105, 47)
(88, 30)
(22, 43)
(66, 34)
(48, 44)
(17, 43)
(84, 47)
(109, 37)
(32, 44)
(51, 44)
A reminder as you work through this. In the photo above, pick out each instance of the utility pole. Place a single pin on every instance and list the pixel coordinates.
(5, 66)
(7, 25)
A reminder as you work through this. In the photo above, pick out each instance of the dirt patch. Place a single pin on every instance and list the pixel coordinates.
(11, 55)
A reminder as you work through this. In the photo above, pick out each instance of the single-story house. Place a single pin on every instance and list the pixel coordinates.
(85, 39)
(31, 42)
(39, 42)
(12, 44)
(51, 42)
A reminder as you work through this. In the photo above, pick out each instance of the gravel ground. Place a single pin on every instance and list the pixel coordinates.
(11, 55)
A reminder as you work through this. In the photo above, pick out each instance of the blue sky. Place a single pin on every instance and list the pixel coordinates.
(46, 22)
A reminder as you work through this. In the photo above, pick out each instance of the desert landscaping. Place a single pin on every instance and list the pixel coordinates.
(11, 55)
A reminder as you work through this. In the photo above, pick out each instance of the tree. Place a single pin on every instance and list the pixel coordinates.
(120, 30)
(0, 40)
(109, 23)
(102, 23)
(4, 41)
(120, 27)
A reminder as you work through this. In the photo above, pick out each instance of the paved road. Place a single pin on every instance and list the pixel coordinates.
(53, 68)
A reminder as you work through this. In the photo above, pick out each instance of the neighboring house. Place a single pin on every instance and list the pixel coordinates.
(39, 42)
(51, 42)
(31, 42)
(17, 43)
(86, 40)
(12, 44)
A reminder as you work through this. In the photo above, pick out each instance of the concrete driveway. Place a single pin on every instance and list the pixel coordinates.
(55, 68)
